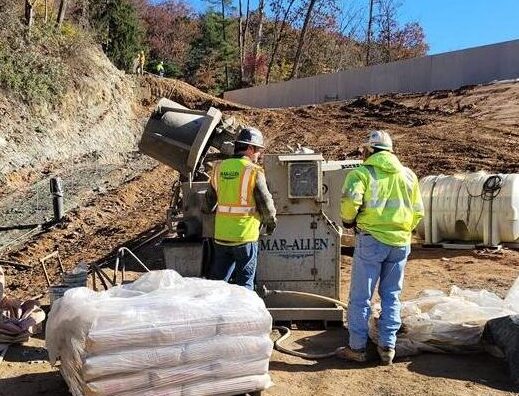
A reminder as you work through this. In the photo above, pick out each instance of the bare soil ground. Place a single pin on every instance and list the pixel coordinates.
(444, 132)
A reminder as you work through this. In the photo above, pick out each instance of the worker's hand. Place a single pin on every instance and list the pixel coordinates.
(270, 227)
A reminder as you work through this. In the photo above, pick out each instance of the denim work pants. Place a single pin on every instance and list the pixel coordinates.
(241, 260)
(373, 261)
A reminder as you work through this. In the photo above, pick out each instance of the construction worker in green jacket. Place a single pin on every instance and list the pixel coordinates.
(239, 195)
(382, 202)
(160, 68)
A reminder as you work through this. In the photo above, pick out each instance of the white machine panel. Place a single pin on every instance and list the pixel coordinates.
(303, 253)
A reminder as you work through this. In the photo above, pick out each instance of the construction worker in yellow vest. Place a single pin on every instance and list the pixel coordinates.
(238, 193)
(142, 62)
(382, 202)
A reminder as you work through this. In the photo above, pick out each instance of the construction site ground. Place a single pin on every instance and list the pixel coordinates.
(474, 128)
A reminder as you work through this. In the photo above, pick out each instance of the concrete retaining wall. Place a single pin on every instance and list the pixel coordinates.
(449, 70)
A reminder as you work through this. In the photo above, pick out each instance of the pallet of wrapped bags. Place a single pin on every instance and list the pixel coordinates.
(161, 335)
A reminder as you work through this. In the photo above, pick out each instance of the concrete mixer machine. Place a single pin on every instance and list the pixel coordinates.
(304, 253)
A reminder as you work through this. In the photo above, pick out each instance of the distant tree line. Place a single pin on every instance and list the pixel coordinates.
(231, 45)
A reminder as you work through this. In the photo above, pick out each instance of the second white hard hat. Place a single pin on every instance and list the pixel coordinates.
(381, 140)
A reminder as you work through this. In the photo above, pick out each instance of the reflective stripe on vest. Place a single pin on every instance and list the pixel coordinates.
(236, 209)
(214, 178)
(377, 202)
(245, 193)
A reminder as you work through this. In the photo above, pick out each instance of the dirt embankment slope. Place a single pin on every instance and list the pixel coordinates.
(100, 117)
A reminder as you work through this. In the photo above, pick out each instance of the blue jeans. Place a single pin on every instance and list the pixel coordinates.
(241, 260)
(373, 261)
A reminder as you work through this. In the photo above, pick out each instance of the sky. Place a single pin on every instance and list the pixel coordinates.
(456, 24)
(449, 25)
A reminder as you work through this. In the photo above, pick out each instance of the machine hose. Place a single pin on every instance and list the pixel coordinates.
(285, 331)
(267, 292)
(280, 348)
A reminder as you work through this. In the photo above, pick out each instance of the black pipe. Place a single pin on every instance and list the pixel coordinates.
(56, 190)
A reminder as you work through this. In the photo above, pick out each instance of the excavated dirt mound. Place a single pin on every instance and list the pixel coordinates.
(446, 132)
(469, 129)
(152, 89)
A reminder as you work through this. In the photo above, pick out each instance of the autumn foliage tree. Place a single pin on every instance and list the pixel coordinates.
(237, 43)
(171, 27)
(394, 41)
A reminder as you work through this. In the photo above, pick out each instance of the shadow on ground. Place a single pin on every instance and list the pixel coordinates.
(49, 383)
(481, 368)
(26, 353)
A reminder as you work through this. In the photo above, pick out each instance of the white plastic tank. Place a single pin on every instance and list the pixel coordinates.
(477, 207)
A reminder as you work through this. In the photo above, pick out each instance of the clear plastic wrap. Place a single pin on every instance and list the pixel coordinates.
(436, 322)
(512, 298)
(163, 334)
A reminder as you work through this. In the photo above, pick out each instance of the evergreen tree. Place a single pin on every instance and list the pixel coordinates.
(210, 53)
(117, 25)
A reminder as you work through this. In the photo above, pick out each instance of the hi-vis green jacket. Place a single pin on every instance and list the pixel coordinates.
(383, 198)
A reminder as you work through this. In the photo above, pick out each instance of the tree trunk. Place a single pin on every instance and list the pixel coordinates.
(84, 14)
(61, 13)
(299, 52)
(241, 41)
(278, 36)
(368, 41)
(29, 13)
(224, 38)
(257, 41)
(388, 12)
(245, 30)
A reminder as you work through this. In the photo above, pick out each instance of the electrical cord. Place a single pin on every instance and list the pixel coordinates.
(490, 190)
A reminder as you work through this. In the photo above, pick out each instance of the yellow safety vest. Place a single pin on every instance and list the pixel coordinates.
(237, 220)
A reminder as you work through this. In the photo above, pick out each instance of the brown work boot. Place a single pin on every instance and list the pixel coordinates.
(387, 354)
(355, 355)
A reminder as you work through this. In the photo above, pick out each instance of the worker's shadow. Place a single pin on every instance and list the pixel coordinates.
(480, 369)
(331, 363)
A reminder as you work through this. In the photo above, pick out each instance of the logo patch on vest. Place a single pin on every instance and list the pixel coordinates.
(229, 175)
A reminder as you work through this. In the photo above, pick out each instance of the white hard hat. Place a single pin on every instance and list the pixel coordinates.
(380, 140)
(251, 136)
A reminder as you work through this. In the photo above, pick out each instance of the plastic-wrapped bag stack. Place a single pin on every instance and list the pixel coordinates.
(161, 335)
(436, 322)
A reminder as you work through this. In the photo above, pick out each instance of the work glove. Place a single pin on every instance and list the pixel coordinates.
(270, 227)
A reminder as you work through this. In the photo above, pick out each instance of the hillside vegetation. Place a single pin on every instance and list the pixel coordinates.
(228, 45)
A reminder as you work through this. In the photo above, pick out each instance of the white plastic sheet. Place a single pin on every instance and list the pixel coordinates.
(162, 335)
(437, 322)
